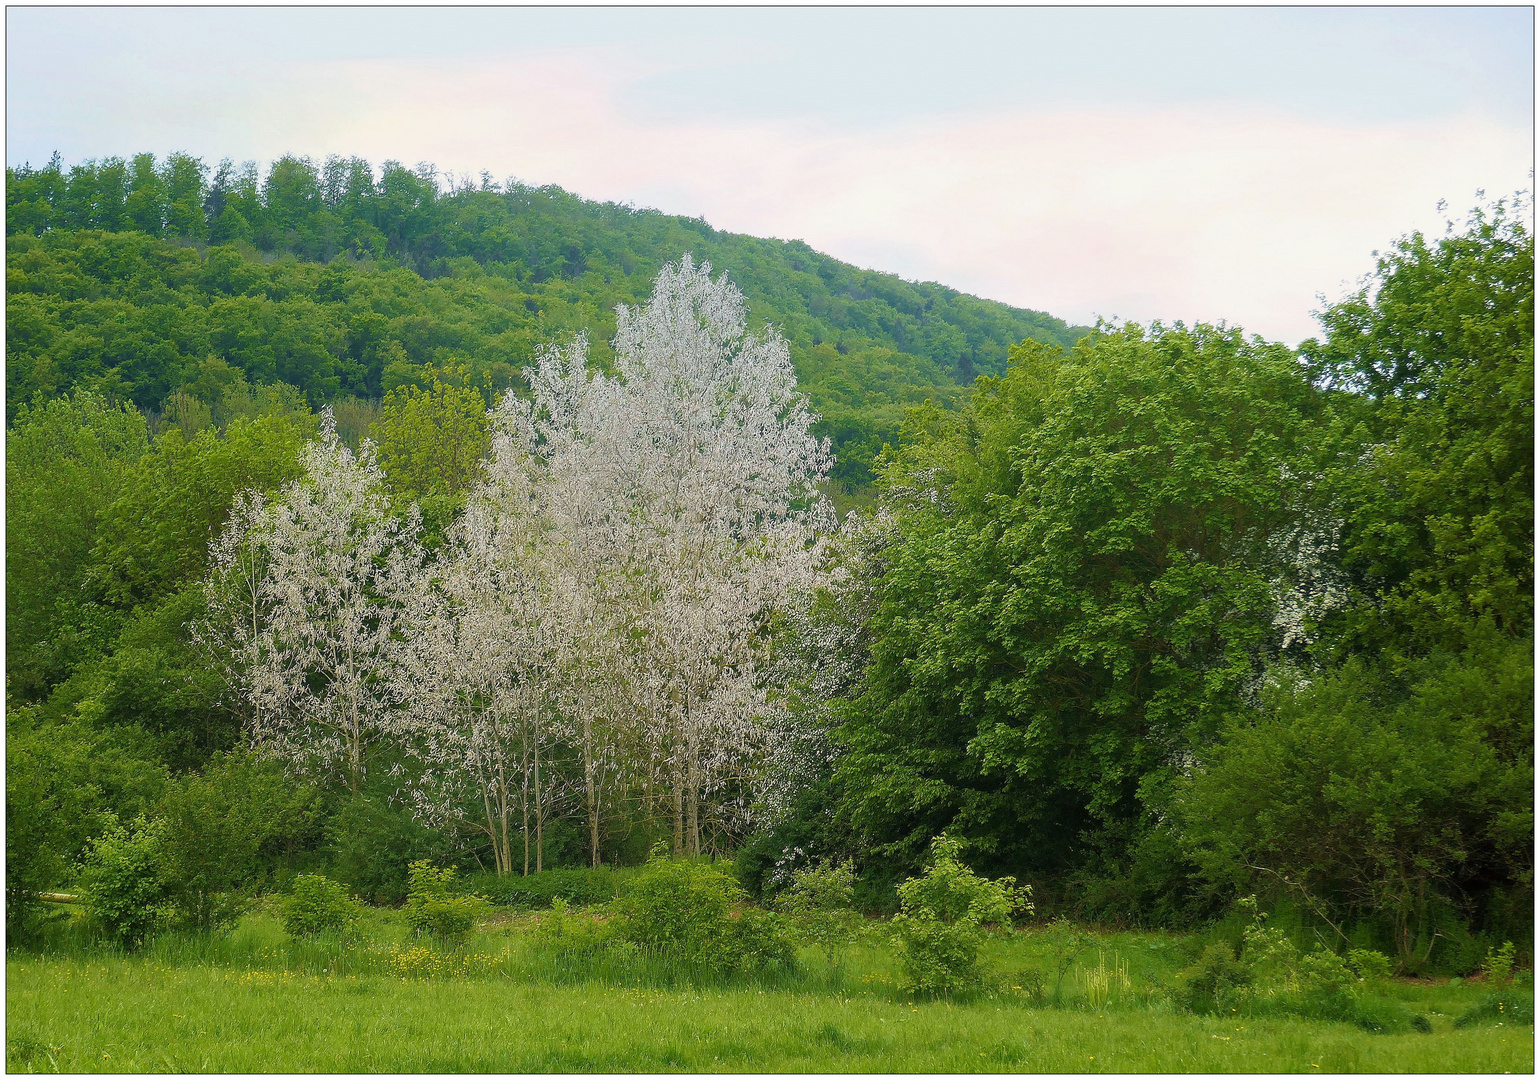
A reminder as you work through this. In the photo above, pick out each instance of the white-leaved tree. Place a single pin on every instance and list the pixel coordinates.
(481, 721)
(599, 621)
(306, 601)
(683, 496)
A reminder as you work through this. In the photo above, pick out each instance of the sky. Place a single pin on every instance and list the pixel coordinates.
(1200, 164)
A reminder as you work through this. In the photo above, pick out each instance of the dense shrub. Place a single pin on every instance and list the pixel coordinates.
(570, 938)
(1269, 976)
(760, 941)
(371, 844)
(123, 877)
(226, 830)
(63, 781)
(317, 905)
(940, 925)
(1213, 980)
(682, 910)
(579, 888)
(434, 907)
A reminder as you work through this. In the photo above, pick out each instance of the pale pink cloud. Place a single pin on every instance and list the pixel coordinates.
(1241, 213)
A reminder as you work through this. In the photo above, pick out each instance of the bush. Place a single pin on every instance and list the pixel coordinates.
(1369, 965)
(819, 904)
(568, 938)
(1213, 981)
(433, 908)
(226, 829)
(317, 905)
(940, 924)
(1498, 966)
(579, 888)
(372, 843)
(1270, 976)
(682, 910)
(760, 941)
(123, 877)
(678, 908)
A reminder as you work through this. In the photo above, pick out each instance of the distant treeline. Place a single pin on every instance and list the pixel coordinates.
(228, 263)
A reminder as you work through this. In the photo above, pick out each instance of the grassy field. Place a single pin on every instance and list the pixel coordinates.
(255, 1002)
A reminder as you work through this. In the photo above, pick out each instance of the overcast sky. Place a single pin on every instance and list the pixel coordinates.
(1192, 163)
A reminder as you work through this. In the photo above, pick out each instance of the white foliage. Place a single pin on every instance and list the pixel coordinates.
(308, 596)
(609, 591)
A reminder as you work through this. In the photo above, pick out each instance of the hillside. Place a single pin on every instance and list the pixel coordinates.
(145, 276)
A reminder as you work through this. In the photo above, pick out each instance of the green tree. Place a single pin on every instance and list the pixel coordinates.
(1081, 594)
(1432, 362)
(146, 205)
(66, 459)
(432, 441)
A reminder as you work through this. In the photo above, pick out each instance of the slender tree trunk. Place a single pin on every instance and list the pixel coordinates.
(497, 848)
(539, 812)
(524, 809)
(590, 792)
(692, 784)
(678, 811)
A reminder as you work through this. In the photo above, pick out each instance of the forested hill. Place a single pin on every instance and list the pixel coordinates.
(146, 276)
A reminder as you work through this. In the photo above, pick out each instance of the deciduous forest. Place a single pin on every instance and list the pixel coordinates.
(376, 536)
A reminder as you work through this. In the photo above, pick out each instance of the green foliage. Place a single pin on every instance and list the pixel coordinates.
(434, 276)
(432, 441)
(123, 875)
(318, 905)
(1064, 943)
(1438, 501)
(1508, 1005)
(579, 887)
(940, 925)
(820, 905)
(371, 843)
(1271, 977)
(1213, 980)
(759, 942)
(569, 938)
(154, 537)
(66, 459)
(64, 783)
(227, 829)
(1366, 799)
(681, 910)
(433, 906)
(1369, 965)
(1498, 966)
(1081, 592)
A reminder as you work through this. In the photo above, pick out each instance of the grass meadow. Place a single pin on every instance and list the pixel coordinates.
(255, 1001)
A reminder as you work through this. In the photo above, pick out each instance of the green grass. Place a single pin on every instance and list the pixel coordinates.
(254, 1002)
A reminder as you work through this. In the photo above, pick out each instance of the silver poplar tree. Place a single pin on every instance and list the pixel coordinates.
(307, 599)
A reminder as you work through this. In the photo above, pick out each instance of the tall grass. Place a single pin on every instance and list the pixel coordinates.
(116, 1014)
(256, 1000)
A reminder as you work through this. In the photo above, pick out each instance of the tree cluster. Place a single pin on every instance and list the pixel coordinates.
(596, 624)
(1150, 619)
